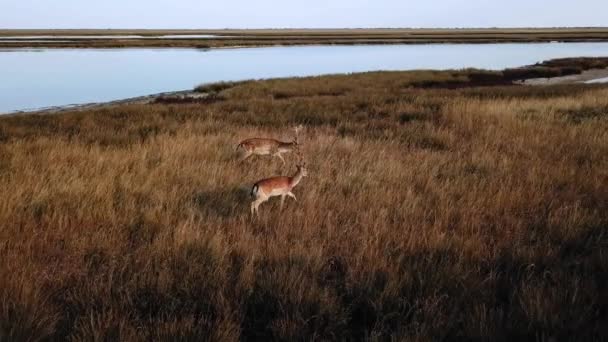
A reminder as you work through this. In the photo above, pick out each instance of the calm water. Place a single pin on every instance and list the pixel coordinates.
(27, 38)
(53, 38)
(2, 40)
(599, 80)
(52, 77)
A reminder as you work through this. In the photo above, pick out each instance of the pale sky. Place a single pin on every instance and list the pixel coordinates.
(300, 14)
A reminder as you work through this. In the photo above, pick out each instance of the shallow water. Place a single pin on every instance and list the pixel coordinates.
(54, 38)
(188, 36)
(26, 38)
(35, 78)
(598, 80)
(32, 41)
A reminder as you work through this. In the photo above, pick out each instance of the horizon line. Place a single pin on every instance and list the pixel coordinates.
(319, 28)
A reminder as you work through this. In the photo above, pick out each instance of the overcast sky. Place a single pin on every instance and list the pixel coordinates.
(300, 14)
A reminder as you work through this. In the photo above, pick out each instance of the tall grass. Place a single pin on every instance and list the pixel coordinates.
(476, 213)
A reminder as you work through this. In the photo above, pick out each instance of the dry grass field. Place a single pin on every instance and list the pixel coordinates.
(269, 37)
(475, 213)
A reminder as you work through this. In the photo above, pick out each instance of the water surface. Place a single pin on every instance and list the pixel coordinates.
(35, 78)
(32, 41)
(188, 36)
(598, 80)
(68, 37)
(54, 38)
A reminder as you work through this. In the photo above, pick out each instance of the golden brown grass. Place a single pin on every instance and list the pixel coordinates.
(474, 213)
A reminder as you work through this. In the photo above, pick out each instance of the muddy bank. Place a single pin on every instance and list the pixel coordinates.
(587, 76)
(182, 96)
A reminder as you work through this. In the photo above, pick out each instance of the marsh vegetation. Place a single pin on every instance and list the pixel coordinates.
(473, 212)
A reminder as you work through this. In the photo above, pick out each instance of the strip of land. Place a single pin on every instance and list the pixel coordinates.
(270, 37)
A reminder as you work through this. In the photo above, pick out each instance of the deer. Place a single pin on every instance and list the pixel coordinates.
(267, 146)
(282, 186)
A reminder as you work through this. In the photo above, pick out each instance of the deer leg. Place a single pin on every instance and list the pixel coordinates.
(245, 155)
(278, 154)
(253, 208)
(290, 194)
(282, 201)
(255, 204)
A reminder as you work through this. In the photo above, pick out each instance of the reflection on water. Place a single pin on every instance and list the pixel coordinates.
(51, 77)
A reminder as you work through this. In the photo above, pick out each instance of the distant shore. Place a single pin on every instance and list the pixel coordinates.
(288, 37)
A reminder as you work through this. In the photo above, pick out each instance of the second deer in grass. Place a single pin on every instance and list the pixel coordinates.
(266, 146)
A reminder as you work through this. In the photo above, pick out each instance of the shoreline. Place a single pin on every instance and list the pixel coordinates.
(299, 44)
(590, 76)
(144, 99)
(189, 45)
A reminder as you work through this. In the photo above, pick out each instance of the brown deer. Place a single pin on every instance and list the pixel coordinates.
(282, 186)
(276, 186)
(267, 146)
